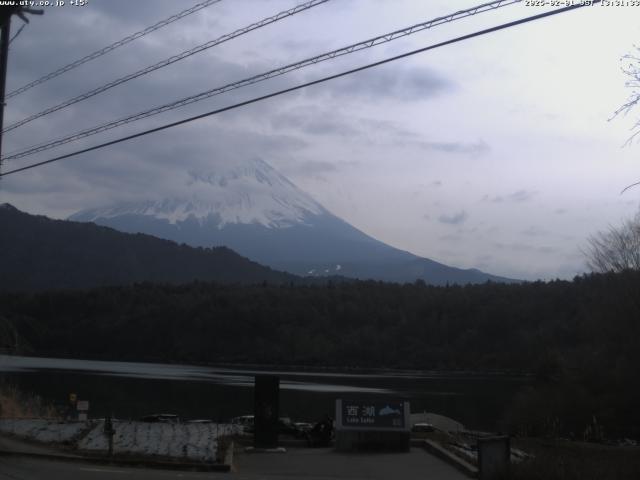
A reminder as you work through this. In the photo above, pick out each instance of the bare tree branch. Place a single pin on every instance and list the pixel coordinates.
(629, 186)
(631, 68)
(616, 249)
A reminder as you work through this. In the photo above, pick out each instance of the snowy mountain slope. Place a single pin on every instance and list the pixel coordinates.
(254, 210)
(249, 193)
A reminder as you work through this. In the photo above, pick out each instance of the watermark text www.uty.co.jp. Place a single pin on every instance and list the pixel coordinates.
(44, 3)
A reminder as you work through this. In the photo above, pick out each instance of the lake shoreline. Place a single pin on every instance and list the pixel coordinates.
(288, 368)
(135, 389)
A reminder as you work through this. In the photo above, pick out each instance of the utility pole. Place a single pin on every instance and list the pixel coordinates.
(4, 54)
(5, 26)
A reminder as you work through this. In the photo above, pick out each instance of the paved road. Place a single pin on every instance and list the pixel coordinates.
(311, 464)
(15, 468)
(324, 464)
(305, 463)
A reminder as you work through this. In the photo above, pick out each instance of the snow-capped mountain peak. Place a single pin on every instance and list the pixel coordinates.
(254, 210)
(250, 192)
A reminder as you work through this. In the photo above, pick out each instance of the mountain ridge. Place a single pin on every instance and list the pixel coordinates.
(256, 211)
(39, 253)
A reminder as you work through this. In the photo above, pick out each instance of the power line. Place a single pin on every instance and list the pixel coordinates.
(113, 46)
(176, 58)
(17, 33)
(304, 85)
(5, 26)
(388, 37)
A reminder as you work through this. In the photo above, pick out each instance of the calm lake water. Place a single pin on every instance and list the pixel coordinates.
(132, 390)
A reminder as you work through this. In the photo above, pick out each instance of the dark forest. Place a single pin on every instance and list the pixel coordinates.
(578, 340)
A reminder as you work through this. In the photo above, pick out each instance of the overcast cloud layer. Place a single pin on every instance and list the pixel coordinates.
(494, 153)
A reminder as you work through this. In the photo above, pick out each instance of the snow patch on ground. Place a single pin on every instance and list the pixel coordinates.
(46, 431)
(192, 441)
(186, 441)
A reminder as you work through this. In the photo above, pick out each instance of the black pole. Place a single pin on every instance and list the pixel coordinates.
(4, 54)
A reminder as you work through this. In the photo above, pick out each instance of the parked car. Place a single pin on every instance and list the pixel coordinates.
(303, 426)
(422, 427)
(287, 427)
(247, 422)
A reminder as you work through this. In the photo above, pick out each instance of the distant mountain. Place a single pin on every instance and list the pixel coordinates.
(256, 211)
(38, 253)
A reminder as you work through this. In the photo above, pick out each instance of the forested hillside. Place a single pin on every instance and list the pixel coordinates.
(492, 326)
(38, 253)
(580, 337)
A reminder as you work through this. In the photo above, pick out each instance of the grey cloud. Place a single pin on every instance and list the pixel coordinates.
(314, 167)
(452, 237)
(519, 196)
(392, 128)
(190, 76)
(396, 82)
(294, 118)
(153, 165)
(523, 247)
(477, 148)
(484, 261)
(534, 231)
(314, 121)
(324, 126)
(445, 253)
(469, 230)
(300, 47)
(137, 12)
(453, 219)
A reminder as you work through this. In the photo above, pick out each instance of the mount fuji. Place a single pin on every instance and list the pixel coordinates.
(254, 210)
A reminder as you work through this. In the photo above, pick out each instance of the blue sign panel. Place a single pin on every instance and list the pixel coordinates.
(373, 414)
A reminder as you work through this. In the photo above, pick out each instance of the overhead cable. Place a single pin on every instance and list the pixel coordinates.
(17, 33)
(304, 85)
(388, 37)
(176, 58)
(113, 46)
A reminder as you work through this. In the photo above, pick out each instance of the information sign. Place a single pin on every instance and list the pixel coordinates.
(373, 414)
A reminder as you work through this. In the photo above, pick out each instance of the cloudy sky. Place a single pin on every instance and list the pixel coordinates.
(494, 153)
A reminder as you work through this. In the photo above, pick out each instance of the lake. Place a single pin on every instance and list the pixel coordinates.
(132, 389)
